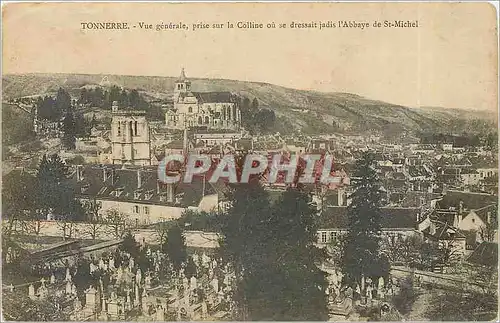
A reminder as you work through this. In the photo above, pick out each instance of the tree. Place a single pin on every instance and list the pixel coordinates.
(161, 231)
(244, 240)
(95, 223)
(116, 221)
(272, 250)
(54, 194)
(175, 247)
(63, 102)
(18, 202)
(406, 250)
(191, 269)
(293, 233)
(130, 245)
(363, 235)
(487, 232)
(69, 130)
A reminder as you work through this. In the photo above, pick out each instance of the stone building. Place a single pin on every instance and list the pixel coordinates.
(210, 110)
(130, 142)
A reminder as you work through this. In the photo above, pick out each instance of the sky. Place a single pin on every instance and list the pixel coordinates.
(450, 60)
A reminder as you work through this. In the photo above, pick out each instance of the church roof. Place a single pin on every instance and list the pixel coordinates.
(214, 97)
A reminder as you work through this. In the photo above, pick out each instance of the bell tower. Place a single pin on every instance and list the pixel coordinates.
(130, 141)
(182, 85)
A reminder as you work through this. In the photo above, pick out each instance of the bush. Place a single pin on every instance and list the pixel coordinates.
(406, 297)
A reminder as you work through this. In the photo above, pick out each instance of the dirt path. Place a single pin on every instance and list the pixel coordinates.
(419, 308)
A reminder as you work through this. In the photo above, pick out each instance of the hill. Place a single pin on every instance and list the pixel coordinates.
(297, 110)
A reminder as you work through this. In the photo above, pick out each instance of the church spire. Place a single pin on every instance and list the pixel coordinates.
(183, 75)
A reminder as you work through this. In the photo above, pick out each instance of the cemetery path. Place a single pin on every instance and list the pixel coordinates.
(418, 310)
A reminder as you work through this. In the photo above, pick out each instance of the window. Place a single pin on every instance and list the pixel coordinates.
(146, 210)
(135, 128)
(136, 209)
(190, 109)
(119, 130)
(323, 237)
(332, 236)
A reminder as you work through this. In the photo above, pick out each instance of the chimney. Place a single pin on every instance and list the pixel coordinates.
(488, 218)
(113, 175)
(104, 173)
(139, 179)
(170, 193)
(79, 173)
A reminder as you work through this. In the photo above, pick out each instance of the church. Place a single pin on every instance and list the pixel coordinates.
(209, 110)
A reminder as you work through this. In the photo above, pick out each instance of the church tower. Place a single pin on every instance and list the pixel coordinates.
(182, 85)
(130, 142)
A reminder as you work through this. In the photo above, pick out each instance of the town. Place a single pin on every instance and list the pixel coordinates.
(91, 232)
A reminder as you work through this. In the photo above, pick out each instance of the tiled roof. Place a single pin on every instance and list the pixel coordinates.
(214, 97)
(444, 231)
(485, 254)
(471, 201)
(122, 185)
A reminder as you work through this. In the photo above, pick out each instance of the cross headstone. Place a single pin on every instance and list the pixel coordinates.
(68, 287)
(193, 283)
(68, 275)
(31, 291)
(215, 284)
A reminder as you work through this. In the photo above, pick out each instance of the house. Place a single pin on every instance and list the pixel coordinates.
(216, 138)
(137, 192)
(446, 236)
(396, 223)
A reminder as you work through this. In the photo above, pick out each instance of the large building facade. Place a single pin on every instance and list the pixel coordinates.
(212, 110)
(130, 142)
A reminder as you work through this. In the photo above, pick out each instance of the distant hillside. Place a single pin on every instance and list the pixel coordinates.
(297, 110)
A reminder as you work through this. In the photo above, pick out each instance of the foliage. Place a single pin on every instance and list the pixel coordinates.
(406, 297)
(96, 97)
(361, 251)
(463, 306)
(94, 221)
(17, 126)
(77, 160)
(191, 269)
(130, 246)
(201, 221)
(19, 307)
(175, 247)
(405, 250)
(485, 138)
(273, 253)
(117, 223)
(18, 194)
(255, 119)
